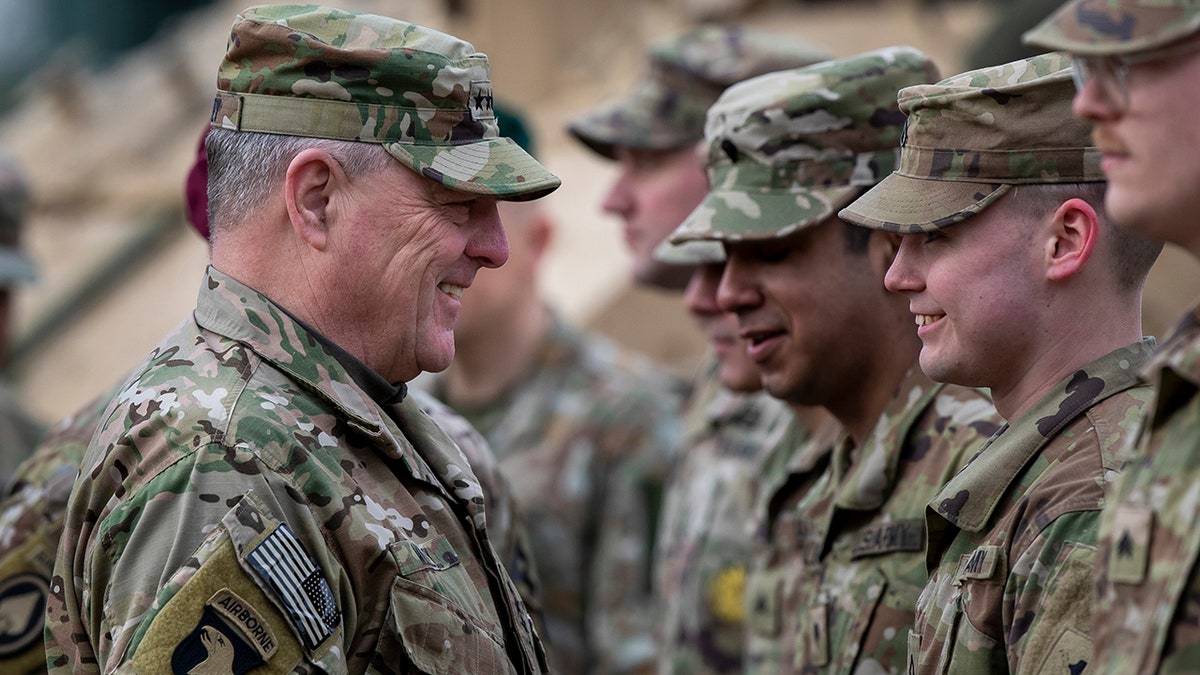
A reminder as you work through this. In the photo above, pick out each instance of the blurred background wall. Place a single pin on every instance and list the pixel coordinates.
(103, 103)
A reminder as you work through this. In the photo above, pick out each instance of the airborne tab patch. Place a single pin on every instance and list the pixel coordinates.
(1129, 548)
(229, 638)
(298, 584)
(902, 535)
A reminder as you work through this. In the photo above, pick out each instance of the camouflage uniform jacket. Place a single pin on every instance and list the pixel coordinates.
(587, 438)
(1148, 612)
(706, 533)
(31, 521)
(844, 559)
(246, 501)
(1012, 538)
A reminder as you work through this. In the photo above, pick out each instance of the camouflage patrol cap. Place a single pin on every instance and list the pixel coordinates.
(787, 150)
(426, 97)
(15, 266)
(686, 75)
(689, 253)
(971, 137)
(1101, 27)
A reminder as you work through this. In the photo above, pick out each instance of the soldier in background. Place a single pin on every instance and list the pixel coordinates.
(706, 537)
(653, 132)
(584, 430)
(844, 560)
(1136, 64)
(263, 491)
(19, 432)
(1018, 283)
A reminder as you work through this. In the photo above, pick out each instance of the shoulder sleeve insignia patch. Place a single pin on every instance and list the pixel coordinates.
(219, 621)
(22, 606)
(231, 637)
(286, 568)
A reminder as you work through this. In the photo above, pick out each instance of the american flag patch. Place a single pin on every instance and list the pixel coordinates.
(298, 583)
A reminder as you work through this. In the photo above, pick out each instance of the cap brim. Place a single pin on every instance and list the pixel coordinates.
(498, 167)
(689, 253)
(736, 215)
(1090, 29)
(904, 204)
(639, 121)
(16, 268)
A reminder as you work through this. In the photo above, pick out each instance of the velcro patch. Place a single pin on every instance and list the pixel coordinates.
(480, 101)
(1129, 548)
(220, 616)
(435, 554)
(22, 610)
(816, 636)
(980, 563)
(281, 561)
(902, 535)
(214, 646)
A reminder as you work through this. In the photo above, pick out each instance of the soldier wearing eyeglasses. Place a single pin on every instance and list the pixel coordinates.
(1137, 66)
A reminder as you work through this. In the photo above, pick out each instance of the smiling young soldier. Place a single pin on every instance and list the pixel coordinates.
(1020, 284)
(843, 562)
(1137, 67)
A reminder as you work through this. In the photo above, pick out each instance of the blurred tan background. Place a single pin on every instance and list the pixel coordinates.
(107, 145)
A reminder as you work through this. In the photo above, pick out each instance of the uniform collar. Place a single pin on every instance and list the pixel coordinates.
(968, 500)
(867, 481)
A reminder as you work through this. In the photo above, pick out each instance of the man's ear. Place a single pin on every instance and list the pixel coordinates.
(1073, 232)
(308, 188)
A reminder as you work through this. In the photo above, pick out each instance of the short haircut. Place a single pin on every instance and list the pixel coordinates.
(1131, 254)
(857, 238)
(244, 167)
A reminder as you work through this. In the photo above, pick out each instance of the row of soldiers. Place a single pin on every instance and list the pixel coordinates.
(993, 490)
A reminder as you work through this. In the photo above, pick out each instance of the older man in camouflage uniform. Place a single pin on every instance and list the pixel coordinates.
(1137, 63)
(1018, 283)
(835, 586)
(263, 492)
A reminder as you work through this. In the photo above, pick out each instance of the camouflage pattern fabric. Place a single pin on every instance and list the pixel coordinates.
(845, 554)
(587, 439)
(706, 535)
(245, 500)
(1012, 538)
(1147, 571)
(970, 138)
(31, 522)
(319, 72)
(788, 149)
(1098, 27)
(666, 109)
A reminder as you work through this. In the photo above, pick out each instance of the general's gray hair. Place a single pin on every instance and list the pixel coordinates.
(245, 167)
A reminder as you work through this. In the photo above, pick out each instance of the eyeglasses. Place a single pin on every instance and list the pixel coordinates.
(1111, 73)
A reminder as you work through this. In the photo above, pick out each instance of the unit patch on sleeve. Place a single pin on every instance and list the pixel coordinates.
(22, 606)
(231, 637)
